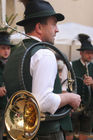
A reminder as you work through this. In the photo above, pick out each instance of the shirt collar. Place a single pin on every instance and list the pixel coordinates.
(84, 63)
(36, 38)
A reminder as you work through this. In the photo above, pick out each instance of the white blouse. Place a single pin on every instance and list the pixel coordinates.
(43, 68)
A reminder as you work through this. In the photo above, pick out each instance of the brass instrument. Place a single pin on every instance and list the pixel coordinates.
(22, 116)
(86, 65)
(89, 88)
(70, 82)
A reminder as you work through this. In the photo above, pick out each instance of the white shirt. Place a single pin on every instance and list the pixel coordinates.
(63, 74)
(64, 77)
(43, 68)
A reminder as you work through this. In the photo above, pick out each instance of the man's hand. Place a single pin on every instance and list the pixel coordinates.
(88, 80)
(70, 98)
(2, 91)
(75, 100)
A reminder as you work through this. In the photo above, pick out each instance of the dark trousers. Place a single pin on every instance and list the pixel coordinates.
(53, 136)
(2, 126)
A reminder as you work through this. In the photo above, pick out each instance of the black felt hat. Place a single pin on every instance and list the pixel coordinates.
(38, 9)
(5, 39)
(85, 43)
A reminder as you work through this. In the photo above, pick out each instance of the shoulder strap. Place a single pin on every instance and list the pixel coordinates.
(26, 77)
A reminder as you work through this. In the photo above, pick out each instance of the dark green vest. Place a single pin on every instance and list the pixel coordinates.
(80, 70)
(14, 83)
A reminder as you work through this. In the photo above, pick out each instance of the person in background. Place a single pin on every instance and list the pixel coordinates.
(83, 68)
(63, 72)
(5, 50)
(40, 23)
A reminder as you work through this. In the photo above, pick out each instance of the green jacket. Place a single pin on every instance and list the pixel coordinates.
(16, 83)
(3, 100)
(82, 89)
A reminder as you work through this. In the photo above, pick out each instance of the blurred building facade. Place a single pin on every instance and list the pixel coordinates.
(78, 11)
(75, 11)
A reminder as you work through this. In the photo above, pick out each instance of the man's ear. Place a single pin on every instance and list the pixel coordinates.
(81, 52)
(39, 28)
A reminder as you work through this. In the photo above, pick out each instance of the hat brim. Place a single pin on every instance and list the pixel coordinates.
(59, 17)
(87, 49)
(11, 45)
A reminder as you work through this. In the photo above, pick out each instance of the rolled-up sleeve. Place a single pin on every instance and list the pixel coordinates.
(43, 68)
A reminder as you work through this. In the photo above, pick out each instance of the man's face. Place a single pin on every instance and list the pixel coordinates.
(49, 30)
(4, 51)
(86, 56)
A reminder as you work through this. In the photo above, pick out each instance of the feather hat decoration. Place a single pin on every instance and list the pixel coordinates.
(85, 42)
(83, 37)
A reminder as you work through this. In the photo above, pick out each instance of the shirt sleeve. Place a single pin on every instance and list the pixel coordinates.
(43, 68)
